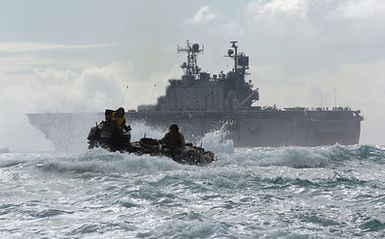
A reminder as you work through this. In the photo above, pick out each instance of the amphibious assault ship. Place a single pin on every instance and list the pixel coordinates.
(201, 102)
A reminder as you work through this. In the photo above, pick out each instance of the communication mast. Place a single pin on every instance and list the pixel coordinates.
(241, 61)
(191, 67)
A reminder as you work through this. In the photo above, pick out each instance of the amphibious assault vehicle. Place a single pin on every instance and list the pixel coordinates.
(106, 135)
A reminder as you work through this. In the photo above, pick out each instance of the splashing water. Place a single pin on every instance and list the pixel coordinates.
(217, 141)
(139, 130)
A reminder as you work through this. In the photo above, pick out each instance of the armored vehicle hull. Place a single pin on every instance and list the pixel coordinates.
(106, 135)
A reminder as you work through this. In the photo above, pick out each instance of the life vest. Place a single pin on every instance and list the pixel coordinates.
(118, 120)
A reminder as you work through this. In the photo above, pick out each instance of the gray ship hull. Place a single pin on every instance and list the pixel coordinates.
(246, 128)
(275, 128)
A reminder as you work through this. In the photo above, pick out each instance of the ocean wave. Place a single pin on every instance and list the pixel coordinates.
(270, 167)
(101, 161)
(49, 213)
(372, 225)
(286, 192)
(7, 208)
(190, 225)
(304, 157)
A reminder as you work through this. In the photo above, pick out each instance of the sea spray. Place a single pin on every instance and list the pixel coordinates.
(140, 130)
(217, 140)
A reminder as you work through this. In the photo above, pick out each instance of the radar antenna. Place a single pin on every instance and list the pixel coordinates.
(241, 61)
(191, 67)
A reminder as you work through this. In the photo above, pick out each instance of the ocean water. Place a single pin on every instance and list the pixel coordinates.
(286, 192)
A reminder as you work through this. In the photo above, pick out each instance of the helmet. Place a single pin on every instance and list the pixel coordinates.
(120, 111)
(174, 127)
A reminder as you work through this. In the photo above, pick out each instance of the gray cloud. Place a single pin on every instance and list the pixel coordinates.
(203, 15)
(12, 47)
(305, 49)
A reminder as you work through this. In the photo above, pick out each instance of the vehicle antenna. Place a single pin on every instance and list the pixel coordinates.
(153, 91)
(202, 133)
(335, 97)
(124, 96)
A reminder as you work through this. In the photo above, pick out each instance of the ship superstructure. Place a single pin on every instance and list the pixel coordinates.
(202, 92)
(201, 102)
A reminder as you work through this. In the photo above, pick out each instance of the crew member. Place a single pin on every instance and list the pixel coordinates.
(173, 141)
(119, 120)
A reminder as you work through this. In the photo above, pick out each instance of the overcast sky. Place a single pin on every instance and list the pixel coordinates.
(79, 55)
